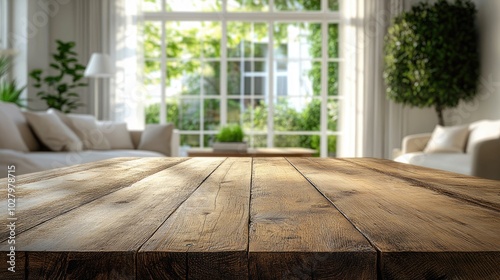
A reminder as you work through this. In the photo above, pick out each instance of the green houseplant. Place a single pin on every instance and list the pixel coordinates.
(9, 91)
(58, 90)
(230, 139)
(431, 56)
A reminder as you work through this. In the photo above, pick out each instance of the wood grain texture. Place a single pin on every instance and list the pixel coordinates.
(20, 265)
(398, 217)
(96, 226)
(81, 265)
(208, 233)
(289, 215)
(40, 201)
(472, 189)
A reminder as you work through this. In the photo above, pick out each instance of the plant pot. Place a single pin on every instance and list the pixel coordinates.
(230, 147)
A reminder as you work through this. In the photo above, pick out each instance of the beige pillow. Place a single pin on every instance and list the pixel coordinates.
(447, 139)
(482, 131)
(117, 135)
(85, 127)
(53, 132)
(16, 115)
(157, 138)
(10, 137)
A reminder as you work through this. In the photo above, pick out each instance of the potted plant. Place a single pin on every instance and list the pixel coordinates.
(432, 56)
(230, 139)
(9, 91)
(58, 90)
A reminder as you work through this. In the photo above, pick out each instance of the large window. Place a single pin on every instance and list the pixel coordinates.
(271, 66)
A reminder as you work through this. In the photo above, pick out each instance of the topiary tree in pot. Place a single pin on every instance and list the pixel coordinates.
(432, 56)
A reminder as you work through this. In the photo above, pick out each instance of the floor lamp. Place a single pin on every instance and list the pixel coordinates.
(99, 67)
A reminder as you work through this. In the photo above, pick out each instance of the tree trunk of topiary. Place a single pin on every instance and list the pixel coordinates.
(439, 111)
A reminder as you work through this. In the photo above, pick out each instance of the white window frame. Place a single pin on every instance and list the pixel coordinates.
(324, 17)
(4, 24)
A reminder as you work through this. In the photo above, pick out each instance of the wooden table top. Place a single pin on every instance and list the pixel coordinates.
(257, 152)
(258, 218)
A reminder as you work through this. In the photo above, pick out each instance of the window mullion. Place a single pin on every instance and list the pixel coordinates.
(223, 74)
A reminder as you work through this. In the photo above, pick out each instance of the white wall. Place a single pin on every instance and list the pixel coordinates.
(487, 104)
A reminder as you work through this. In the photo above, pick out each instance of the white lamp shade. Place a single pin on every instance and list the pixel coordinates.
(99, 66)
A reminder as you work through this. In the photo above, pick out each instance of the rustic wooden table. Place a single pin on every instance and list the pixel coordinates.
(260, 218)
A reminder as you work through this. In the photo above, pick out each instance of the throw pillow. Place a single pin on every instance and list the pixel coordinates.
(53, 132)
(10, 137)
(157, 138)
(447, 139)
(117, 135)
(481, 131)
(85, 127)
(16, 115)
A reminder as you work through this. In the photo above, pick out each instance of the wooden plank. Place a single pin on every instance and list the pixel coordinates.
(315, 241)
(40, 201)
(19, 263)
(419, 232)
(58, 172)
(116, 223)
(207, 236)
(473, 189)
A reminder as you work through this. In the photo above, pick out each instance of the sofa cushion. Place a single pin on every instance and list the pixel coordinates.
(117, 135)
(453, 162)
(481, 131)
(154, 138)
(85, 127)
(22, 162)
(53, 132)
(10, 138)
(447, 139)
(14, 113)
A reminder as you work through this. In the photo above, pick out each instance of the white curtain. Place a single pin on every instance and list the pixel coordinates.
(372, 126)
(127, 100)
(91, 36)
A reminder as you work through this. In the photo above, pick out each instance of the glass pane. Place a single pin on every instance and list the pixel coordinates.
(211, 78)
(208, 140)
(297, 5)
(298, 141)
(332, 146)
(255, 115)
(333, 40)
(333, 78)
(193, 39)
(190, 140)
(297, 114)
(211, 114)
(258, 141)
(152, 113)
(333, 114)
(234, 78)
(333, 5)
(247, 5)
(152, 40)
(234, 109)
(183, 78)
(152, 73)
(189, 114)
(247, 39)
(299, 78)
(194, 5)
(297, 40)
(151, 5)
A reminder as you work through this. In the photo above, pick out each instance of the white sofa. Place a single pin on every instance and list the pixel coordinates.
(480, 155)
(38, 158)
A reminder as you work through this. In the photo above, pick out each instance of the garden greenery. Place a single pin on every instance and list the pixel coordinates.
(431, 56)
